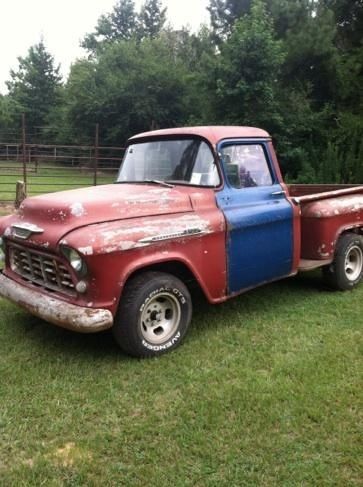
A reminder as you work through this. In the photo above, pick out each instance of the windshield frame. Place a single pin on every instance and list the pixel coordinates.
(158, 138)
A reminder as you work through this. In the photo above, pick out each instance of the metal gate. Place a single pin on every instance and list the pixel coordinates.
(50, 167)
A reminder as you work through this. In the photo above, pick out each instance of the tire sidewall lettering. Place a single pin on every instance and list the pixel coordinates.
(178, 294)
(164, 346)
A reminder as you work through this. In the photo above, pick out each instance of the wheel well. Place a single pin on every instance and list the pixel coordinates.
(177, 269)
(357, 231)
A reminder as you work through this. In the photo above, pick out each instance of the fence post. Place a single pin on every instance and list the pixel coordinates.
(24, 152)
(36, 161)
(20, 193)
(96, 155)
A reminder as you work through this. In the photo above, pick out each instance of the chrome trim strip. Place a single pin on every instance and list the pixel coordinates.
(167, 236)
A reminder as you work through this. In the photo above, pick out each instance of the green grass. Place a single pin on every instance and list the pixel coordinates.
(266, 390)
(49, 178)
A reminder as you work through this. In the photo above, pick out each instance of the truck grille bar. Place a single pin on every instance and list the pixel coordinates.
(43, 270)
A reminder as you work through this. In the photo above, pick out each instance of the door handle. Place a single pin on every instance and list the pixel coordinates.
(278, 193)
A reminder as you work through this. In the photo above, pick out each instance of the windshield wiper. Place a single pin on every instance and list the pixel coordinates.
(147, 181)
(157, 181)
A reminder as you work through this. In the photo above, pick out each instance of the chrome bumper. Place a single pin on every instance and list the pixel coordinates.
(61, 313)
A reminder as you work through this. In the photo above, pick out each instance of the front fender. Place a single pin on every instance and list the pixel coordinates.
(115, 250)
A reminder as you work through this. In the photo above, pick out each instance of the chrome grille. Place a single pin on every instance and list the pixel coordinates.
(43, 270)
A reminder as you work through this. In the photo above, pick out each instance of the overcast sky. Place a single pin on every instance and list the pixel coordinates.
(63, 23)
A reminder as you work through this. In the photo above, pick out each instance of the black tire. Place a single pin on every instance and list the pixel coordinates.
(346, 270)
(153, 316)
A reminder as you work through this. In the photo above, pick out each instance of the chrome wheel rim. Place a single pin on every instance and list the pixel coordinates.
(353, 263)
(160, 318)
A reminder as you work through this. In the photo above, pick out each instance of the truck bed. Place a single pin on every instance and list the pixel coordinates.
(326, 212)
(312, 192)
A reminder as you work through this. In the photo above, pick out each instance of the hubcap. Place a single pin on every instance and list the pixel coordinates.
(353, 263)
(160, 318)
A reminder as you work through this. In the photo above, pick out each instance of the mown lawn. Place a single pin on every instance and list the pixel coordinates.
(48, 178)
(266, 390)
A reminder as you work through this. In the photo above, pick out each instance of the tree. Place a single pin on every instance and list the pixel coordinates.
(131, 87)
(224, 13)
(34, 87)
(349, 20)
(248, 72)
(7, 110)
(151, 19)
(312, 57)
(197, 54)
(120, 24)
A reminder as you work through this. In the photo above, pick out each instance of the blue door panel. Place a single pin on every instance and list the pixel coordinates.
(259, 245)
(259, 234)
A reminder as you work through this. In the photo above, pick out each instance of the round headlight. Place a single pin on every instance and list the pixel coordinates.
(75, 260)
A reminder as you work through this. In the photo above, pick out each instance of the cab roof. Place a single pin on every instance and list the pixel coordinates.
(213, 134)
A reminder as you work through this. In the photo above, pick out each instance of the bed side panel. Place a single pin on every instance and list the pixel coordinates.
(323, 221)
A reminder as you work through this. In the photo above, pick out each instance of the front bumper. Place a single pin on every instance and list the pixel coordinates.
(60, 313)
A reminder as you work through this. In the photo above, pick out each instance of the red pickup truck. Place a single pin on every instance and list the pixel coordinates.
(203, 206)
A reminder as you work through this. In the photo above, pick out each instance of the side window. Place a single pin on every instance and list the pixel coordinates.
(246, 165)
(205, 171)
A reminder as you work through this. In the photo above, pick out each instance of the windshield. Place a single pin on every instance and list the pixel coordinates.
(185, 161)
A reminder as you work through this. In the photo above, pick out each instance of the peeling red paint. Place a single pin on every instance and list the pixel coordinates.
(324, 218)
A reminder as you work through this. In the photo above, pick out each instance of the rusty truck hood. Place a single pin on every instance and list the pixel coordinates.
(59, 213)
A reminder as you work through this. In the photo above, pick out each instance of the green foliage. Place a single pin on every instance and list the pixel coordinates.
(34, 87)
(224, 13)
(124, 24)
(130, 87)
(120, 24)
(312, 56)
(246, 85)
(349, 20)
(8, 109)
(151, 19)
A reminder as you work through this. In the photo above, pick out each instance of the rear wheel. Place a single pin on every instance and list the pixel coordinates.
(346, 270)
(153, 316)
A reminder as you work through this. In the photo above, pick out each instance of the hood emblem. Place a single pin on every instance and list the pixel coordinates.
(24, 230)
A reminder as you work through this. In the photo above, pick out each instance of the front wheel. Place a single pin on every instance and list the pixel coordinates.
(153, 316)
(346, 270)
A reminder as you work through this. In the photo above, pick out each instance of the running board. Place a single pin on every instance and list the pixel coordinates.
(309, 265)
